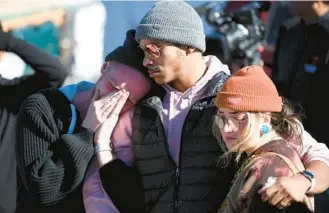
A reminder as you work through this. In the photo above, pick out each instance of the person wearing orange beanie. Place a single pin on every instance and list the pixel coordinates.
(253, 120)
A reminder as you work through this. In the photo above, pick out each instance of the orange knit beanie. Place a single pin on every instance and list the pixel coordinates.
(250, 89)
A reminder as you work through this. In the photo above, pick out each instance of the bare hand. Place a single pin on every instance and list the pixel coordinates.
(100, 108)
(104, 131)
(285, 191)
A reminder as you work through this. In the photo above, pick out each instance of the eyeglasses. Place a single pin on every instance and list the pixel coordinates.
(152, 50)
(233, 122)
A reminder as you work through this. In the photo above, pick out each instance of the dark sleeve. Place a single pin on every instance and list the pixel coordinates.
(49, 72)
(52, 164)
(244, 196)
(258, 206)
(275, 67)
(275, 167)
(124, 185)
(287, 51)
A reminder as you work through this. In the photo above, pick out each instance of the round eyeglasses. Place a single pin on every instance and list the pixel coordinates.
(152, 50)
(234, 123)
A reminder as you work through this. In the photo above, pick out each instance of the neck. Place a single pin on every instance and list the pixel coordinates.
(191, 73)
(82, 100)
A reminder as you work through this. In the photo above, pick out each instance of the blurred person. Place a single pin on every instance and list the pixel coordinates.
(168, 136)
(252, 119)
(302, 63)
(49, 72)
(60, 131)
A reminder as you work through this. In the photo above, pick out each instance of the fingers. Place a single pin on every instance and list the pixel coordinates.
(285, 202)
(276, 199)
(268, 191)
(110, 99)
(270, 181)
(110, 103)
(115, 104)
(276, 196)
(113, 117)
(121, 102)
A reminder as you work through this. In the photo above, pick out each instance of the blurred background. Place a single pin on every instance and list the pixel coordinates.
(82, 32)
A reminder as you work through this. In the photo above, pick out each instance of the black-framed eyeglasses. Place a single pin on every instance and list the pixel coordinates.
(233, 122)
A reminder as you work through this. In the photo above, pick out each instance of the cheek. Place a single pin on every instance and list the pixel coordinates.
(225, 136)
(242, 128)
(170, 60)
(105, 88)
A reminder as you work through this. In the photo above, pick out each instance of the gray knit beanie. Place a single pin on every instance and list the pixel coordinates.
(173, 21)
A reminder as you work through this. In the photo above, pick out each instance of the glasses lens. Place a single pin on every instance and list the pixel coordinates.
(219, 121)
(153, 50)
(234, 123)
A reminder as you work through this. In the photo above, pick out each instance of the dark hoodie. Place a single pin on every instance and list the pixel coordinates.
(307, 79)
(49, 72)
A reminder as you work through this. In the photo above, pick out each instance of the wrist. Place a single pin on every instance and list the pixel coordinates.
(308, 180)
(103, 146)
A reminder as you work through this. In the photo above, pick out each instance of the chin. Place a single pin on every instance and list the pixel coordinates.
(160, 81)
(230, 145)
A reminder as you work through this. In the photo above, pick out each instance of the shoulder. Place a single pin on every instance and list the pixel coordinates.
(271, 166)
(292, 23)
(44, 98)
(46, 105)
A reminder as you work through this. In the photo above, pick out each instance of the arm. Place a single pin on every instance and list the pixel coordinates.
(52, 164)
(243, 196)
(49, 72)
(315, 157)
(265, 168)
(117, 181)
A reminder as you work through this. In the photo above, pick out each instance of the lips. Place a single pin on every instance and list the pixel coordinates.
(230, 138)
(153, 73)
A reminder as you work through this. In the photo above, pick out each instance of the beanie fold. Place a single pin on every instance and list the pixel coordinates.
(249, 89)
(244, 103)
(171, 34)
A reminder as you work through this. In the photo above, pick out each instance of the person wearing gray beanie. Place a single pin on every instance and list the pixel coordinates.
(173, 21)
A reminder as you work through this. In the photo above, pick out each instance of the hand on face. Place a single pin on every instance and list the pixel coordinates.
(101, 108)
(104, 131)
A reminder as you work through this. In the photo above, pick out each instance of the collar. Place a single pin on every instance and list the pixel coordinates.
(70, 90)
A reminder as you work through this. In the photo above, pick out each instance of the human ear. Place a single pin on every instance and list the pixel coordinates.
(105, 66)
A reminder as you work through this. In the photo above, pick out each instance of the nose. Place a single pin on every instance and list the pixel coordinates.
(228, 127)
(147, 62)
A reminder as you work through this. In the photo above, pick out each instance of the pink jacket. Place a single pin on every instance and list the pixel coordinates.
(175, 108)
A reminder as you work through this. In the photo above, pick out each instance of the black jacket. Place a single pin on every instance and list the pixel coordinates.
(306, 70)
(49, 72)
(197, 184)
